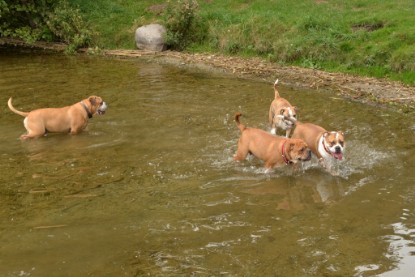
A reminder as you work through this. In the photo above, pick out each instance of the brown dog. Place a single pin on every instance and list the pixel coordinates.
(70, 119)
(327, 146)
(281, 114)
(273, 150)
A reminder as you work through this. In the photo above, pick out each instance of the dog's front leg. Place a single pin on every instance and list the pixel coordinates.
(322, 163)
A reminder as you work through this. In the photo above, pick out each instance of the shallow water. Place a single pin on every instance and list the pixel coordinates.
(150, 188)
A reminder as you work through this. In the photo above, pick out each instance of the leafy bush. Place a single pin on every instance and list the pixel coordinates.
(183, 24)
(49, 20)
(68, 26)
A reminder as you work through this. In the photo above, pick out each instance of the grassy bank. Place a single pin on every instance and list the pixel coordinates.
(370, 38)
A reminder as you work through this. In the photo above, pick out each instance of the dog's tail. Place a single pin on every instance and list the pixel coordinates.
(238, 123)
(277, 95)
(14, 110)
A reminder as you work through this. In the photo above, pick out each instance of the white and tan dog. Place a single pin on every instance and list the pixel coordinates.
(281, 114)
(273, 150)
(327, 146)
(70, 119)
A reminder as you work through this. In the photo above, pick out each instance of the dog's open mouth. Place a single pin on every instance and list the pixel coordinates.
(338, 156)
(288, 123)
(103, 107)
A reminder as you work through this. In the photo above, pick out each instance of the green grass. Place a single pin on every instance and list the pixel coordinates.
(116, 20)
(369, 38)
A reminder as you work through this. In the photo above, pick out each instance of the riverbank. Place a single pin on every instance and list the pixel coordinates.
(369, 38)
(363, 89)
(372, 91)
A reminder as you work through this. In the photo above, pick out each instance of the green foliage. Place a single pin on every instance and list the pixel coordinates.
(49, 20)
(403, 59)
(22, 19)
(3, 8)
(374, 38)
(183, 24)
(67, 25)
(370, 37)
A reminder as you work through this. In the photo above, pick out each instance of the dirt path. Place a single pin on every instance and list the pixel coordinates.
(369, 90)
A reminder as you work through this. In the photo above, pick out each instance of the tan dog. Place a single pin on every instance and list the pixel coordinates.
(70, 119)
(281, 114)
(327, 146)
(273, 150)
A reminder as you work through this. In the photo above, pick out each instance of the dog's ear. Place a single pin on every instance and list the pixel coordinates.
(292, 145)
(325, 134)
(92, 100)
(282, 111)
(341, 133)
(295, 108)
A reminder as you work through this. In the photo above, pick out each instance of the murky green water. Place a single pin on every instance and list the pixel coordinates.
(151, 189)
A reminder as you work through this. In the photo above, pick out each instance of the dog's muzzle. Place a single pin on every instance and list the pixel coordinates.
(289, 121)
(338, 156)
(102, 108)
(308, 157)
(338, 153)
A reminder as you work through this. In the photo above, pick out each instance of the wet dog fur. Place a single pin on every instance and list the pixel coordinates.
(273, 150)
(281, 114)
(327, 146)
(70, 119)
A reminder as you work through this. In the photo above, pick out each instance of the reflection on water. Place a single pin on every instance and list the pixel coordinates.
(402, 245)
(151, 188)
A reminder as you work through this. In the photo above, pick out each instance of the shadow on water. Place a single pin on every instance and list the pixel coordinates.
(151, 187)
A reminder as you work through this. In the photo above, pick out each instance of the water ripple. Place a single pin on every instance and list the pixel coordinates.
(402, 246)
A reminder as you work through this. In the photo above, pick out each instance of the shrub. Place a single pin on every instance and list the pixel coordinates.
(67, 25)
(183, 24)
(49, 20)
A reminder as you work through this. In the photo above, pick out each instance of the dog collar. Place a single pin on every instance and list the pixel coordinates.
(86, 109)
(284, 157)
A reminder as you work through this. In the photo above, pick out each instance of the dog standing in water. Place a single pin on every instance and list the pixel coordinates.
(70, 119)
(281, 114)
(327, 146)
(273, 150)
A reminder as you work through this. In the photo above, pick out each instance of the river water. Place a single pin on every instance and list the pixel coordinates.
(150, 188)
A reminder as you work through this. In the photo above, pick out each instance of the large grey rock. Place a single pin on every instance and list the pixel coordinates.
(150, 37)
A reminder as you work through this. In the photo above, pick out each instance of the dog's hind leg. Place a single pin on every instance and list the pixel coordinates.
(33, 130)
(241, 153)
